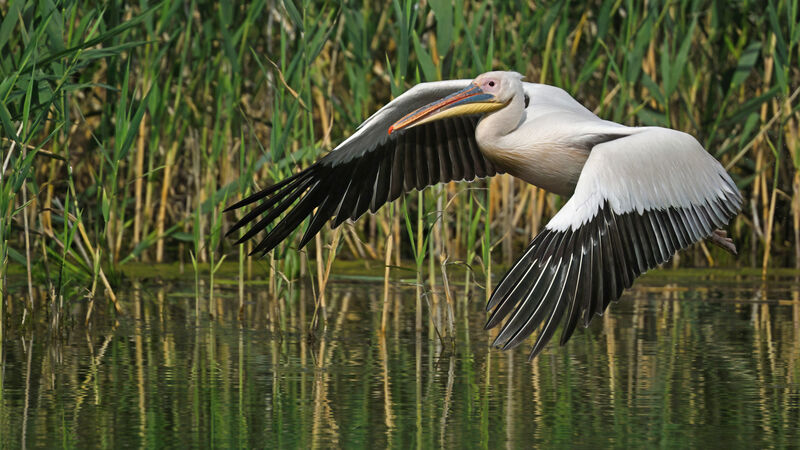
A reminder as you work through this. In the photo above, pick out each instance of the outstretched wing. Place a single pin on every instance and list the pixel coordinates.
(369, 169)
(639, 199)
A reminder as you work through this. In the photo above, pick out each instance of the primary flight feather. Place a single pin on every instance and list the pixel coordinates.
(637, 194)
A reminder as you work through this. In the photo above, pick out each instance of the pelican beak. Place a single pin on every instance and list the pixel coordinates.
(472, 100)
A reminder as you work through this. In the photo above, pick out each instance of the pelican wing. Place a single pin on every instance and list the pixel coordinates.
(639, 199)
(370, 168)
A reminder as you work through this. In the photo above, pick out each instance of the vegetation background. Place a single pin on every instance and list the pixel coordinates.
(126, 127)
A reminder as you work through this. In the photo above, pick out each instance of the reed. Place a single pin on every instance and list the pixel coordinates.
(139, 123)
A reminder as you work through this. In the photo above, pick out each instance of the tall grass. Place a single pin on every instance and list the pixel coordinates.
(127, 127)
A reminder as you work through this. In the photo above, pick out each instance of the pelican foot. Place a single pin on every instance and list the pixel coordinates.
(720, 238)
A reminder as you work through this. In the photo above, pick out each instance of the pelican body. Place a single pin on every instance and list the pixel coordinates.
(637, 194)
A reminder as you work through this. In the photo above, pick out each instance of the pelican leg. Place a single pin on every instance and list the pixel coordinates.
(720, 238)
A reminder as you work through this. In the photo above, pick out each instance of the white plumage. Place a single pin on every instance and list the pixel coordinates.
(651, 168)
(637, 194)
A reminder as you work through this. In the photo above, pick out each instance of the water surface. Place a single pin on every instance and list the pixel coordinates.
(700, 358)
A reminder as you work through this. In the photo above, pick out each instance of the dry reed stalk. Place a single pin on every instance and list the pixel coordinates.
(365, 246)
(649, 67)
(491, 186)
(488, 261)
(706, 254)
(139, 179)
(761, 175)
(607, 99)
(451, 327)
(546, 56)
(240, 287)
(4, 260)
(147, 220)
(792, 139)
(272, 274)
(437, 237)
(536, 220)
(770, 220)
(396, 234)
(320, 271)
(455, 237)
(521, 206)
(26, 228)
(433, 304)
(202, 180)
(383, 222)
(576, 40)
(531, 225)
(324, 275)
(766, 127)
(435, 251)
(46, 218)
(371, 241)
(354, 250)
(447, 218)
(362, 247)
(324, 117)
(420, 241)
(418, 304)
(85, 238)
(118, 231)
(162, 206)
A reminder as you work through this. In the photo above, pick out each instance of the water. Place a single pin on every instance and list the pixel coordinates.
(708, 358)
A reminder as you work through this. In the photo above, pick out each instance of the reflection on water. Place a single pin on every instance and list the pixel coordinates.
(708, 359)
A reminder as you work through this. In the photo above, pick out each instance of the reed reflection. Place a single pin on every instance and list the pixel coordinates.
(713, 361)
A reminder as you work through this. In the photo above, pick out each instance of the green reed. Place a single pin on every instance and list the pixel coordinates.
(126, 129)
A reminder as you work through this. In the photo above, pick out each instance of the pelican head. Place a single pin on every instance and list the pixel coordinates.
(488, 92)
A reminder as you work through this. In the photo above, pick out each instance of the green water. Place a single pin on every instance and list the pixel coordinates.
(705, 360)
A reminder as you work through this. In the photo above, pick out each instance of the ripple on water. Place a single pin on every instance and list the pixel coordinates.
(678, 360)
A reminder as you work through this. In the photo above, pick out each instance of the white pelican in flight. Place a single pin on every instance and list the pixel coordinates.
(637, 194)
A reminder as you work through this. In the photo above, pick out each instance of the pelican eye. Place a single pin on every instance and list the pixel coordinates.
(527, 101)
(491, 84)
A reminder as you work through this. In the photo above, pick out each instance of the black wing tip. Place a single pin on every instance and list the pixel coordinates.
(580, 257)
(512, 343)
(621, 246)
(243, 202)
(239, 241)
(566, 332)
(535, 352)
(255, 252)
(494, 299)
(494, 319)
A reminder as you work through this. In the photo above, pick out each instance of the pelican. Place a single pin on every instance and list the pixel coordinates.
(636, 195)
